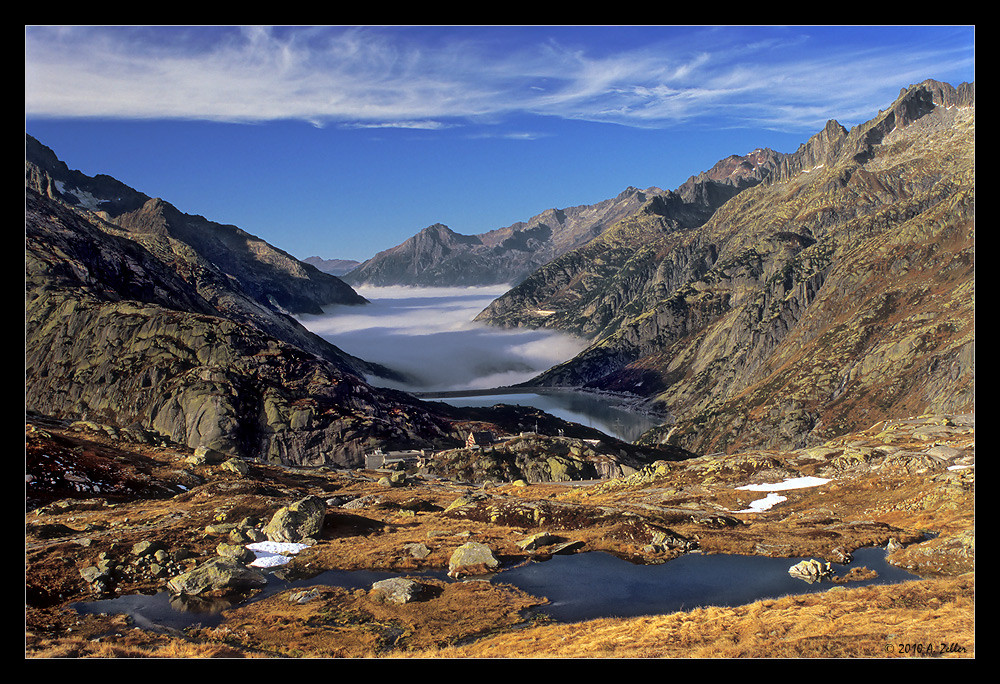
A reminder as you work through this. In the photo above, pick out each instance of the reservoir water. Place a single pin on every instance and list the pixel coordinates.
(608, 414)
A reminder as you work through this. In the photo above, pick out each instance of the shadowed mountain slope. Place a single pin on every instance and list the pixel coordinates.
(269, 275)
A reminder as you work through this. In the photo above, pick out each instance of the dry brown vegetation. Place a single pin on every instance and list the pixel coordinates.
(936, 617)
(863, 505)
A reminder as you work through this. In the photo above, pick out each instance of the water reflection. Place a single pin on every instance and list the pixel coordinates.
(595, 585)
(164, 611)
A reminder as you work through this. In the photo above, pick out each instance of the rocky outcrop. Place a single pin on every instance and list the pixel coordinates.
(217, 576)
(397, 590)
(537, 458)
(811, 570)
(472, 558)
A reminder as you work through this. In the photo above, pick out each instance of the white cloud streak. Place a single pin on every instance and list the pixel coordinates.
(384, 77)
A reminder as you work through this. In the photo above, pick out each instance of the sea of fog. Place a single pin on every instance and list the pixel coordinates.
(429, 335)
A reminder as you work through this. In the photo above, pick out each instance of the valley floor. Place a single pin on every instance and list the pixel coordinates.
(907, 483)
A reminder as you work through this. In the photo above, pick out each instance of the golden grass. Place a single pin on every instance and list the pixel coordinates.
(142, 646)
(870, 622)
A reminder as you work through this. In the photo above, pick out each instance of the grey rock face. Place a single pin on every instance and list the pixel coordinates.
(806, 301)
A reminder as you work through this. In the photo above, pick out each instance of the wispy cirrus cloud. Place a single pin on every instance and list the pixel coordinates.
(791, 78)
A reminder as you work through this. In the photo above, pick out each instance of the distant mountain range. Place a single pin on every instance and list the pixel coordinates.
(337, 267)
(438, 256)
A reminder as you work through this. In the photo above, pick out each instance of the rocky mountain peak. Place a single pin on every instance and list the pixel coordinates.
(442, 234)
(738, 171)
(835, 143)
(273, 278)
(938, 94)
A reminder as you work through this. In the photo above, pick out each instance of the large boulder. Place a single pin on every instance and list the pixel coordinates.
(301, 520)
(811, 570)
(397, 590)
(217, 576)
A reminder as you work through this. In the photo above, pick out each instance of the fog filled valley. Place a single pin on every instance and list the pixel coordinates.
(428, 334)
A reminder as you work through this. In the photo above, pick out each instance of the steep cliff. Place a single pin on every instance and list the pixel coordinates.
(837, 292)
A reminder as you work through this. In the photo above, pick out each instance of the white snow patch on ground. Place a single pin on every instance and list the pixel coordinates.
(763, 504)
(792, 483)
(272, 554)
(772, 499)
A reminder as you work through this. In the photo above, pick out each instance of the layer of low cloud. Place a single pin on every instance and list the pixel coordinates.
(431, 78)
(429, 334)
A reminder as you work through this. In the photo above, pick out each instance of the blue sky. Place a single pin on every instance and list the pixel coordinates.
(342, 141)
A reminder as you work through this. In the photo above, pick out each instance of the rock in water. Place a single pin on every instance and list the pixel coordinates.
(472, 558)
(218, 575)
(810, 570)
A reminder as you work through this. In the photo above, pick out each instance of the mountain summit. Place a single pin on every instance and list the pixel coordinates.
(272, 277)
(438, 256)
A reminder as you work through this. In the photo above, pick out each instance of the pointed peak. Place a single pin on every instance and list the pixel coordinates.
(437, 228)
